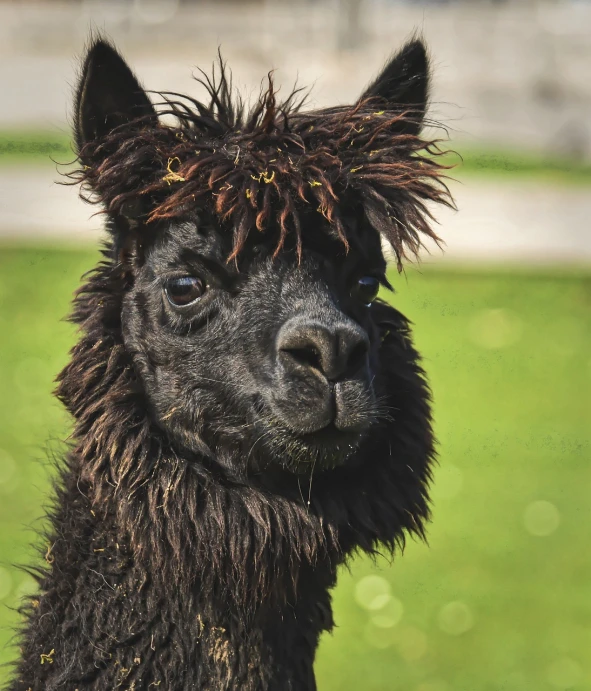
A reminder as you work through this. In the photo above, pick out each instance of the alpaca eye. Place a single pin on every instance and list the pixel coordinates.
(184, 290)
(366, 289)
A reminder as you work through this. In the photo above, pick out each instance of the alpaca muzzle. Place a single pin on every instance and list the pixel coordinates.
(322, 379)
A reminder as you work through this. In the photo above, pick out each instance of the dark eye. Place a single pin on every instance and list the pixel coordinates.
(184, 290)
(366, 289)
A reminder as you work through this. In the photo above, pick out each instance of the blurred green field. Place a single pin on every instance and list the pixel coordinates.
(501, 599)
(26, 147)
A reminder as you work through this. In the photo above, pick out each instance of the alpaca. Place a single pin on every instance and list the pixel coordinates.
(247, 412)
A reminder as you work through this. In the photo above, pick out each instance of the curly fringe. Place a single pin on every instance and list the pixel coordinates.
(269, 165)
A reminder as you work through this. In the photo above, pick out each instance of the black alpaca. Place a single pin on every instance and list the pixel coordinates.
(247, 413)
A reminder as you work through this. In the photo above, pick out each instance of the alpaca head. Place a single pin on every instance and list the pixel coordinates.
(248, 244)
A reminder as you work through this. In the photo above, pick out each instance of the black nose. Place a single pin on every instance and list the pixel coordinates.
(336, 350)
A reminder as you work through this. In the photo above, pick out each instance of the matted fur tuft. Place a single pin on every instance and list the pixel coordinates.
(267, 165)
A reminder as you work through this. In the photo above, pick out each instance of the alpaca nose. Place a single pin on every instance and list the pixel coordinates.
(337, 350)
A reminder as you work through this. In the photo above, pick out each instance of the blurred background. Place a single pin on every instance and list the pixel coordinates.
(501, 597)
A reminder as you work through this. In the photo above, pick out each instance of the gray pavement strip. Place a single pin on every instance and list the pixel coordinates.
(513, 220)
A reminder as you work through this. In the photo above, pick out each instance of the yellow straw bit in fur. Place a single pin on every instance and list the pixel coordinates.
(264, 176)
(47, 657)
(172, 176)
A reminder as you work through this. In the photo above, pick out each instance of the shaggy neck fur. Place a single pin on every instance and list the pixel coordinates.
(161, 571)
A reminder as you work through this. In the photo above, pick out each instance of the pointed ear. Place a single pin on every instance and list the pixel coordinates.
(108, 95)
(403, 84)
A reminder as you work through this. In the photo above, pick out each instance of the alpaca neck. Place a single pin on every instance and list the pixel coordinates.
(115, 615)
(163, 571)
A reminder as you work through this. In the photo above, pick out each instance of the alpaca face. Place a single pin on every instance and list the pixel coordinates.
(278, 354)
(249, 246)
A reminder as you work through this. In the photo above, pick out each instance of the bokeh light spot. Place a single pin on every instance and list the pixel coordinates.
(412, 644)
(389, 614)
(541, 518)
(564, 673)
(495, 328)
(5, 583)
(455, 618)
(377, 637)
(26, 587)
(372, 592)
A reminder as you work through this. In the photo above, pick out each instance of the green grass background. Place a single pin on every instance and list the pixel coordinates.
(501, 598)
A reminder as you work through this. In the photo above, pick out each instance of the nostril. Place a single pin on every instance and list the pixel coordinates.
(357, 356)
(307, 356)
(335, 351)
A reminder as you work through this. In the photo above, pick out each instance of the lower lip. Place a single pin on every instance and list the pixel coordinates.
(329, 434)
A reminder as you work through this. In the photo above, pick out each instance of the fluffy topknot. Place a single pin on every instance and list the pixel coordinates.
(270, 164)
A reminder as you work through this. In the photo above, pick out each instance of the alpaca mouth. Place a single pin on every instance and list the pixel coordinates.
(328, 435)
(297, 432)
(325, 448)
(328, 447)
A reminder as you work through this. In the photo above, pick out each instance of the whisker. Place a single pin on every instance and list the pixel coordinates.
(310, 487)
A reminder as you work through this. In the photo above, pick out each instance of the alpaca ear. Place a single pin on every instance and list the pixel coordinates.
(403, 84)
(108, 95)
